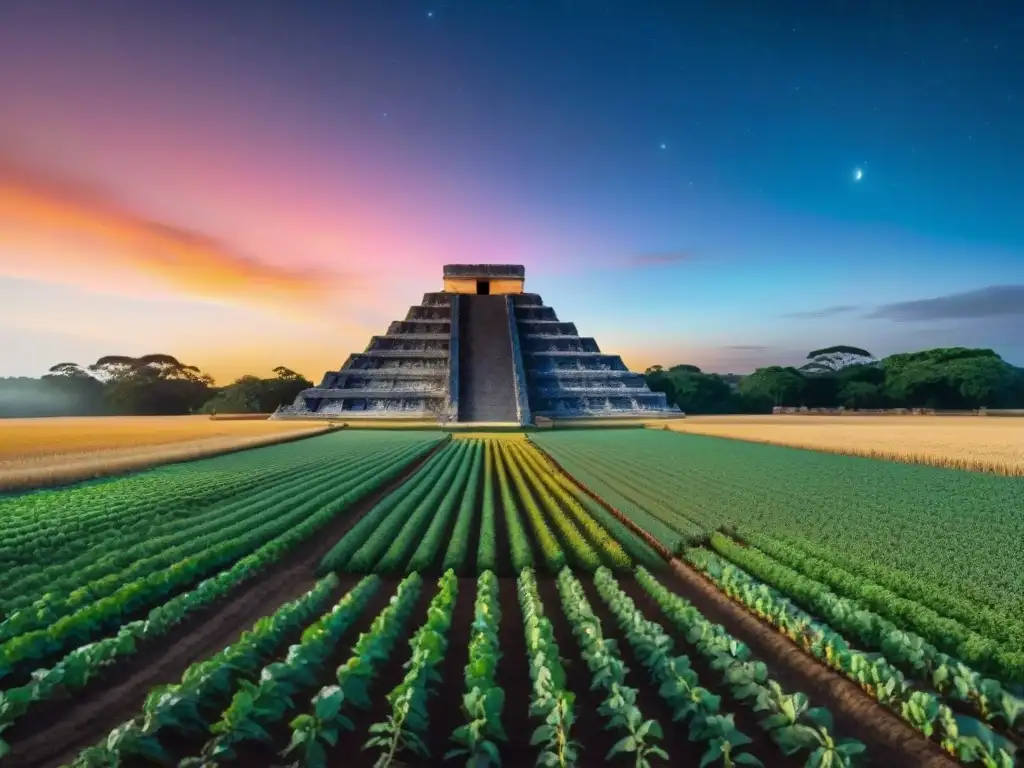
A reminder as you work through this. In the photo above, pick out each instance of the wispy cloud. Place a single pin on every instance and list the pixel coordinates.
(61, 231)
(659, 258)
(993, 301)
(839, 309)
(746, 348)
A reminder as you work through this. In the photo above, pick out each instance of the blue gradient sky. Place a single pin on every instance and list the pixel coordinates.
(248, 184)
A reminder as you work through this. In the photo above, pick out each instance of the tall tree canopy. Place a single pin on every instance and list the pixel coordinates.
(945, 378)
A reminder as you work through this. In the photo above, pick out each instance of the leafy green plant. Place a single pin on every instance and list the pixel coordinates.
(568, 520)
(974, 616)
(518, 539)
(57, 551)
(677, 682)
(938, 546)
(314, 732)
(609, 673)
(577, 499)
(385, 542)
(790, 722)
(487, 546)
(256, 705)
(551, 551)
(83, 664)
(908, 651)
(550, 701)
(458, 552)
(874, 674)
(139, 575)
(640, 499)
(401, 502)
(484, 700)
(421, 533)
(265, 539)
(184, 706)
(405, 728)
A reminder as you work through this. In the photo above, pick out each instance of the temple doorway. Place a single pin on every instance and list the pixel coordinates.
(483, 287)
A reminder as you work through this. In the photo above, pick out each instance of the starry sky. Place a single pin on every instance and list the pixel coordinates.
(247, 184)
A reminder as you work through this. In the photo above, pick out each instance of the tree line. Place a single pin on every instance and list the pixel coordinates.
(150, 385)
(947, 378)
(954, 378)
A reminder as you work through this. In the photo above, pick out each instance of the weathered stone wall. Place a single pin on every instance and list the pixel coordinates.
(522, 395)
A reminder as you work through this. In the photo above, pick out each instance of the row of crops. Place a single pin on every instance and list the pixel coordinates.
(951, 667)
(321, 701)
(954, 532)
(933, 551)
(375, 664)
(95, 573)
(487, 505)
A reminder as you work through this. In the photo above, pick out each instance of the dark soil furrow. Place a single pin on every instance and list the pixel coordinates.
(181, 744)
(260, 754)
(681, 750)
(349, 749)
(745, 718)
(471, 566)
(889, 740)
(54, 733)
(514, 678)
(446, 704)
(503, 561)
(589, 731)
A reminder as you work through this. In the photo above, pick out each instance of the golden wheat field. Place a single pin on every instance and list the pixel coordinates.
(39, 452)
(988, 444)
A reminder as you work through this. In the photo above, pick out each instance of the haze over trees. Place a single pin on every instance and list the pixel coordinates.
(150, 385)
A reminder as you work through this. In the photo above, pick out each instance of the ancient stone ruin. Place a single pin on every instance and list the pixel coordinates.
(483, 351)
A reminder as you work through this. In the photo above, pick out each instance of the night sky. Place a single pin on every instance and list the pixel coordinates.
(250, 184)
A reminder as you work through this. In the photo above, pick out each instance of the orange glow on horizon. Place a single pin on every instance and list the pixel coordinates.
(54, 232)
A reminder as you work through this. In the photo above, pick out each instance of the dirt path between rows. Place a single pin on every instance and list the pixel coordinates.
(675, 740)
(349, 751)
(889, 740)
(256, 753)
(55, 732)
(589, 729)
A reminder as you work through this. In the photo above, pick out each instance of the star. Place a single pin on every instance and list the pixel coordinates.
(663, 146)
(430, 14)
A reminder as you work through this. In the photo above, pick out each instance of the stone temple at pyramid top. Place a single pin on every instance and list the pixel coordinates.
(482, 350)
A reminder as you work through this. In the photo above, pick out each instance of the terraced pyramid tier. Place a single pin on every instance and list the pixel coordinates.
(481, 351)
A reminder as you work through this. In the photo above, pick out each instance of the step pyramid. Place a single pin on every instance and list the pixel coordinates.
(481, 350)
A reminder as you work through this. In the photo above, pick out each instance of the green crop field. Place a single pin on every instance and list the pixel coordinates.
(959, 530)
(580, 598)
(526, 516)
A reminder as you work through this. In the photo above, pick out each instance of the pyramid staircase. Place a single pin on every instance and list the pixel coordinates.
(480, 351)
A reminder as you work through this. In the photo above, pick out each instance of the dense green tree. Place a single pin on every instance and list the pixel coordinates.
(773, 386)
(949, 378)
(114, 367)
(942, 378)
(684, 368)
(860, 394)
(154, 384)
(830, 359)
(251, 394)
(692, 390)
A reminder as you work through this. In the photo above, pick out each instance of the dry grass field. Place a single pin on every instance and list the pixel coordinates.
(41, 452)
(985, 444)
